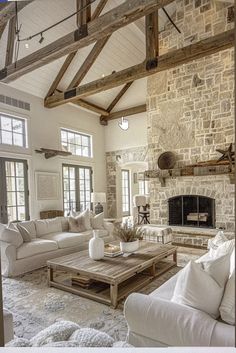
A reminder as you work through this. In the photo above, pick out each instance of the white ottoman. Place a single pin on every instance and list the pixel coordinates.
(157, 233)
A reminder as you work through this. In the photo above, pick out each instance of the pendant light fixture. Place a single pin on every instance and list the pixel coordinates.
(124, 124)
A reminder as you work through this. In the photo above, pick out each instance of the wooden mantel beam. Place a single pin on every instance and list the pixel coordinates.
(127, 112)
(120, 16)
(166, 61)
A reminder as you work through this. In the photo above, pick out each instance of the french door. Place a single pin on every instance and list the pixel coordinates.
(77, 188)
(14, 194)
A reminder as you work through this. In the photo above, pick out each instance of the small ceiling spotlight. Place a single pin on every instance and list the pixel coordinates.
(124, 124)
(41, 38)
(26, 45)
(103, 75)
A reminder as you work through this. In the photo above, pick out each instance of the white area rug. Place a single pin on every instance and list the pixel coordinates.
(35, 306)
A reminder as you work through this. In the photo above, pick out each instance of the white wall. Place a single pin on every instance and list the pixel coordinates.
(44, 131)
(135, 136)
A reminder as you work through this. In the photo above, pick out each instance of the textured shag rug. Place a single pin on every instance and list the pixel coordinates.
(35, 306)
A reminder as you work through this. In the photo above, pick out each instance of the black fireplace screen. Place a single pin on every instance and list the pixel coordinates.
(192, 211)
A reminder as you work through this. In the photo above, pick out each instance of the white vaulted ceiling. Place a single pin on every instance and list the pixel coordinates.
(125, 48)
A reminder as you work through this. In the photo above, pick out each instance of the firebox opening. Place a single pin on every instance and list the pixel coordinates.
(192, 211)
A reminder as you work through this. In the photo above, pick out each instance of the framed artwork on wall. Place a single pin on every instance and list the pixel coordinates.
(47, 186)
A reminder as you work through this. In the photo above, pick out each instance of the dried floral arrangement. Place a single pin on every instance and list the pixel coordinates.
(127, 233)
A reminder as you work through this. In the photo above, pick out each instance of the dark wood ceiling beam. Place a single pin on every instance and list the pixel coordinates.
(103, 119)
(69, 57)
(166, 61)
(99, 9)
(120, 16)
(152, 40)
(84, 16)
(87, 64)
(91, 106)
(127, 112)
(60, 74)
(10, 41)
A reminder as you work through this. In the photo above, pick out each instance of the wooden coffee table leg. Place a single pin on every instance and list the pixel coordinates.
(50, 275)
(114, 294)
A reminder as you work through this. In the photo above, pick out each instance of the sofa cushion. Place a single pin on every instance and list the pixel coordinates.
(80, 223)
(11, 236)
(64, 223)
(67, 240)
(47, 226)
(191, 289)
(30, 227)
(36, 246)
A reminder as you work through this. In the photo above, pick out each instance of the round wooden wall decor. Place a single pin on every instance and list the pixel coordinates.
(166, 160)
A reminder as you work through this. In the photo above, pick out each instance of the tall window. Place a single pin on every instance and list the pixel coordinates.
(12, 130)
(77, 188)
(14, 196)
(125, 192)
(77, 143)
(143, 187)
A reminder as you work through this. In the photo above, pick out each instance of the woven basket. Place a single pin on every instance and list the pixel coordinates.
(166, 160)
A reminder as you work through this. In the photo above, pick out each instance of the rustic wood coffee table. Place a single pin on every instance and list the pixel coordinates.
(112, 278)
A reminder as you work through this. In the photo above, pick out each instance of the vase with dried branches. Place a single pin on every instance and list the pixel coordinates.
(129, 236)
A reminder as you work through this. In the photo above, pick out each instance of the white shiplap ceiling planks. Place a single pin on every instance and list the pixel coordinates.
(125, 48)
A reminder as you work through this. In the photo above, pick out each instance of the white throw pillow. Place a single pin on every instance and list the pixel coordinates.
(219, 239)
(97, 221)
(11, 236)
(196, 288)
(218, 268)
(226, 247)
(30, 226)
(227, 306)
(24, 232)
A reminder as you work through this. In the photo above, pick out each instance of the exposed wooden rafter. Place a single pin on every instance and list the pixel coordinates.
(111, 21)
(166, 61)
(89, 61)
(71, 56)
(10, 41)
(93, 107)
(98, 9)
(83, 17)
(127, 112)
(152, 40)
(103, 119)
(8, 10)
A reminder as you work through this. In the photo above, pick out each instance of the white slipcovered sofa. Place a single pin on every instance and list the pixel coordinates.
(50, 238)
(154, 320)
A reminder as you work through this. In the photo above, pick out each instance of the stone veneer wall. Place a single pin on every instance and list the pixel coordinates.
(191, 111)
(113, 160)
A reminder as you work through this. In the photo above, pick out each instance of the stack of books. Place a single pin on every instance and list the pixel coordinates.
(81, 281)
(112, 250)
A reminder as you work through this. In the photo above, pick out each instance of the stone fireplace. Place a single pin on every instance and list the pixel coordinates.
(191, 113)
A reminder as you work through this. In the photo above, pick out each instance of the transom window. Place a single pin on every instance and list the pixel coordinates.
(12, 130)
(77, 143)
